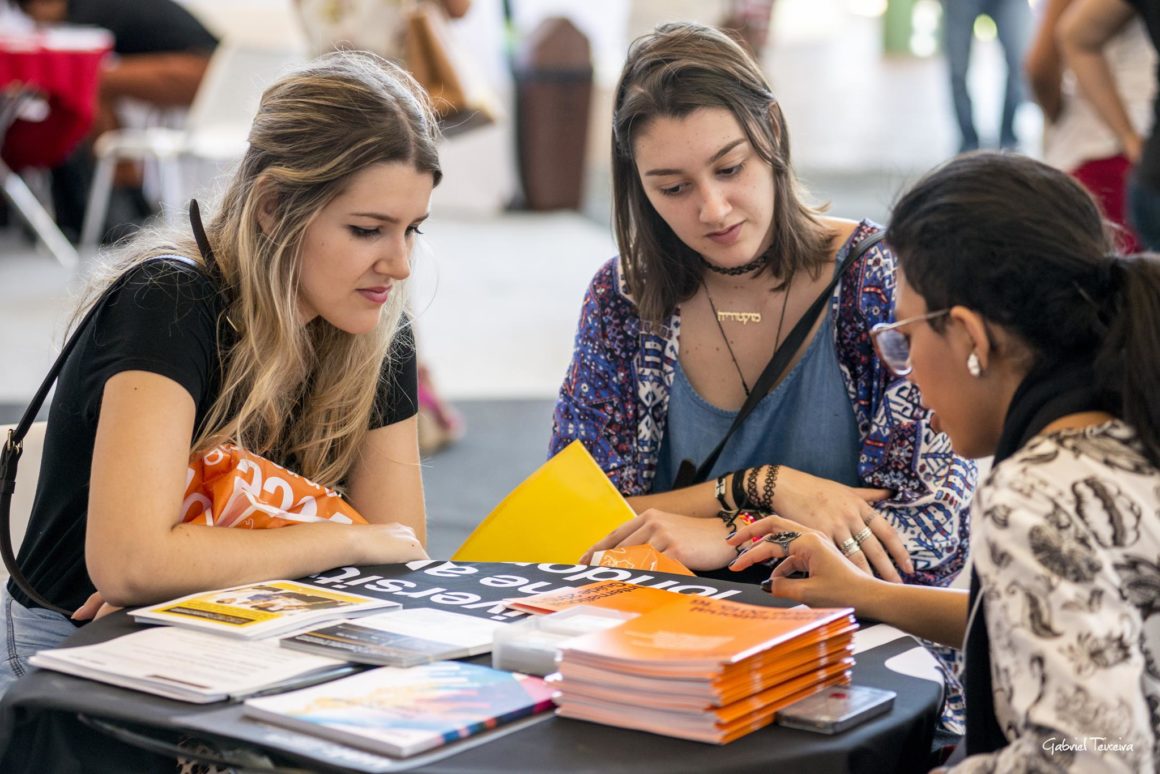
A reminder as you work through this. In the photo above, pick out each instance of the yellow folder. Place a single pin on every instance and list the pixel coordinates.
(555, 515)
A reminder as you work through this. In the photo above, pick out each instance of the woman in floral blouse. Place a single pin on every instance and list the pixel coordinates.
(719, 260)
(1036, 343)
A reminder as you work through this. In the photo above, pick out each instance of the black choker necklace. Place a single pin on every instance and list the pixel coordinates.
(735, 271)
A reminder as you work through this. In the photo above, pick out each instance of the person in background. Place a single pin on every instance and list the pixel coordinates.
(378, 26)
(365, 25)
(1085, 31)
(720, 258)
(1074, 138)
(161, 54)
(1034, 341)
(1013, 20)
(279, 328)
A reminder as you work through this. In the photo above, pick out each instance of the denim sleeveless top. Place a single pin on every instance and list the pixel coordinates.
(807, 422)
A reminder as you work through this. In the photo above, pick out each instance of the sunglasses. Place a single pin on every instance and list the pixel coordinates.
(894, 346)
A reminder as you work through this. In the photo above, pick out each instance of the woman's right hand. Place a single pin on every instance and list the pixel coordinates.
(390, 543)
(843, 512)
(832, 581)
(695, 542)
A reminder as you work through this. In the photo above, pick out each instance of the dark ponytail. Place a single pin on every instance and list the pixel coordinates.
(1024, 245)
(1128, 363)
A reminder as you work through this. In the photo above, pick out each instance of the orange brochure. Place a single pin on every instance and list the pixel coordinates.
(638, 696)
(764, 716)
(776, 694)
(698, 633)
(640, 557)
(816, 643)
(699, 727)
(614, 595)
(759, 680)
(718, 691)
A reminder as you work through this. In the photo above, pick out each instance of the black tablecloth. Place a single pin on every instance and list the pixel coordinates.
(40, 730)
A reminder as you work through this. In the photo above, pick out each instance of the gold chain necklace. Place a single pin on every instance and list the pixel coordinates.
(717, 316)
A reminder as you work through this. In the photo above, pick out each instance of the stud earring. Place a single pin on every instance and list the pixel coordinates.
(974, 368)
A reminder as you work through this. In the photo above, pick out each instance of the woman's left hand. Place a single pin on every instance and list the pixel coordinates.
(832, 581)
(846, 515)
(94, 607)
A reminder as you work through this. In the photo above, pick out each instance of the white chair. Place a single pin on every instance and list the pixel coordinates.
(215, 129)
(26, 477)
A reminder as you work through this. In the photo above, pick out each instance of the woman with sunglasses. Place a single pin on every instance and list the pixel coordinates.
(1034, 342)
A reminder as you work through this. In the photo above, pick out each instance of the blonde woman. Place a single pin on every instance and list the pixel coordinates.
(379, 26)
(279, 328)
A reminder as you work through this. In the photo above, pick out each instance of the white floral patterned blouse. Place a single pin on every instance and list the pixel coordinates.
(1067, 548)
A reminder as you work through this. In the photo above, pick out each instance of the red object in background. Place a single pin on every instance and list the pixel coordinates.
(1107, 180)
(63, 67)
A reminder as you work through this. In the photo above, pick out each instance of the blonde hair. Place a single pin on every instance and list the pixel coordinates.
(303, 395)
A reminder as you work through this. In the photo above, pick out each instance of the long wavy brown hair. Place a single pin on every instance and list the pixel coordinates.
(671, 72)
(302, 395)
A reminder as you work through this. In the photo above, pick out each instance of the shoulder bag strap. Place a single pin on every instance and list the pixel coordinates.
(14, 446)
(687, 475)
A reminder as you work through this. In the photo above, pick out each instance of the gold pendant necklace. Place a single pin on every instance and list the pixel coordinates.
(742, 317)
(749, 317)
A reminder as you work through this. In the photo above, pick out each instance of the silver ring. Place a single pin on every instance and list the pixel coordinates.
(782, 539)
(862, 535)
(848, 546)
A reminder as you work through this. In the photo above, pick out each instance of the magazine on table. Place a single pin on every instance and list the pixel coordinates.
(191, 666)
(701, 637)
(261, 609)
(401, 712)
(399, 638)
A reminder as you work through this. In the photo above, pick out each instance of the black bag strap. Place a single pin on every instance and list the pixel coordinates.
(14, 446)
(687, 474)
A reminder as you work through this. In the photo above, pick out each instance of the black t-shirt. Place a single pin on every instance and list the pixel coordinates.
(164, 320)
(1148, 169)
(144, 26)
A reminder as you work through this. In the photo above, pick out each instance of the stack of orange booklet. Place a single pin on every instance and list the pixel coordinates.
(704, 669)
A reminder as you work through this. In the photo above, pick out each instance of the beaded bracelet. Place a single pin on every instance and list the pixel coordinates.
(733, 519)
(742, 518)
(748, 517)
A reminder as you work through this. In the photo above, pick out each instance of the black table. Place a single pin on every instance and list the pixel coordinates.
(41, 727)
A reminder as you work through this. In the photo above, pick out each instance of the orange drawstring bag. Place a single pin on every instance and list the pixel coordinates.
(231, 487)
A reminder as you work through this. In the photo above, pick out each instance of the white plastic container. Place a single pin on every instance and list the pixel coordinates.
(531, 645)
